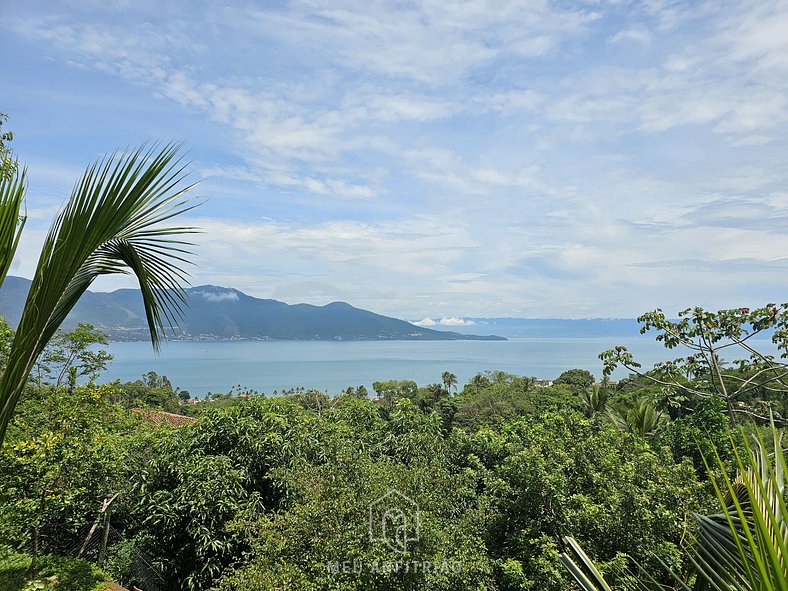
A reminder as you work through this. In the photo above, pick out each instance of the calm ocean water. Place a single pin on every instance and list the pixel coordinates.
(202, 367)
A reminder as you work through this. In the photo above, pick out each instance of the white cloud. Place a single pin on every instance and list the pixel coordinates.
(428, 42)
(636, 34)
(440, 160)
(216, 296)
(454, 321)
(425, 322)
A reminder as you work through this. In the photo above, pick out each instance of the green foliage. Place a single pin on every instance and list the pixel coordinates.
(594, 400)
(576, 378)
(559, 474)
(494, 399)
(360, 392)
(642, 417)
(111, 224)
(321, 540)
(8, 164)
(699, 434)
(201, 478)
(13, 185)
(392, 390)
(6, 338)
(704, 373)
(449, 380)
(63, 455)
(72, 355)
(753, 551)
(58, 572)
(152, 391)
(741, 548)
(274, 493)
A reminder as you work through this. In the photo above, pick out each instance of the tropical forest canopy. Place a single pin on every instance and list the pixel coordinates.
(249, 491)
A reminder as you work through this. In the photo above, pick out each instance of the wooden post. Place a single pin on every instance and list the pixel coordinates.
(90, 535)
(104, 536)
(105, 505)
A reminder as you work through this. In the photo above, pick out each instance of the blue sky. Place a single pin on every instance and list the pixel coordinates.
(443, 159)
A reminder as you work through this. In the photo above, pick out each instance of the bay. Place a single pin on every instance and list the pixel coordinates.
(203, 367)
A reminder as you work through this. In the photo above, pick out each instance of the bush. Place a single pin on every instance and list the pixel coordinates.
(61, 573)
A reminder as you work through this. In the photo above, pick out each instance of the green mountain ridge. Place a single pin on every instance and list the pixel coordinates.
(217, 313)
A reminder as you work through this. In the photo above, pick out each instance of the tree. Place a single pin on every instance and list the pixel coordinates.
(741, 548)
(642, 418)
(479, 381)
(8, 165)
(154, 380)
(111, 224)
(559, 473)
(152, 391)
(72, 355)
(703, 373)
(353, 392)
(576, 378)
(65, 452)
(391, 390)
(449, 380)
(594, 400)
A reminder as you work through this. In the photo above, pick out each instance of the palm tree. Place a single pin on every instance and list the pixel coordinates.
(594, 400)
(449, 380)
(111, 224)
(642, 418)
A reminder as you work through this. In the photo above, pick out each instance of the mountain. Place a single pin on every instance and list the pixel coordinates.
(224, 313)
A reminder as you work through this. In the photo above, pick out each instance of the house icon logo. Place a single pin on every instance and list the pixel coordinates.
(394, 520)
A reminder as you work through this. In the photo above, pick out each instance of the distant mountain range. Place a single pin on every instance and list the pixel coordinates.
(539, 327)
(216, 313)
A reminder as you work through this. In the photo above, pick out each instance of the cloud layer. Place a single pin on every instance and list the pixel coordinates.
(433, 159)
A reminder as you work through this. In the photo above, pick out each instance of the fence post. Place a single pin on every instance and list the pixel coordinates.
(105, 535)
(104, 512)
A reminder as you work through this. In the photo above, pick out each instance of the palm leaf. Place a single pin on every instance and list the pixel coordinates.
(111, 224)
(745, 545)
(12, 194)
(585, 573)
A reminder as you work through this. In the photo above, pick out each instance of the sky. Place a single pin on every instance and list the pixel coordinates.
(431, 159)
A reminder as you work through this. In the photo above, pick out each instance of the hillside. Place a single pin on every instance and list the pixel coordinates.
(225, 313)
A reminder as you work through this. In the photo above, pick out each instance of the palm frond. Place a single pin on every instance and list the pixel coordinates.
(112, 223)
(12, 194)
(745, 545)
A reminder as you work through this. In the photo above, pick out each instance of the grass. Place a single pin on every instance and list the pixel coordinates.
(53, 572)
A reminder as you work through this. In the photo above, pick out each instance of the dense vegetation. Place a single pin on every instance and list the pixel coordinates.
(276, 492)
(266, 493)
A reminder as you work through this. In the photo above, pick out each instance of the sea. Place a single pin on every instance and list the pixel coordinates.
(204, 367)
